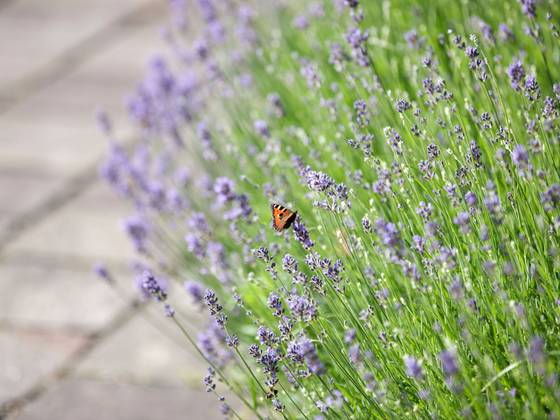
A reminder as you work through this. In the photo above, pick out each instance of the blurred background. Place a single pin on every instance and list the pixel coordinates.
(70, 348)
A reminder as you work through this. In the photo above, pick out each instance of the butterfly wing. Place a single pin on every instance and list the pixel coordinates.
(282, 218)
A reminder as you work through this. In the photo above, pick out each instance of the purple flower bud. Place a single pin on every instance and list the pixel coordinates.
(289, 264)
(303, 351)
(462, 220)
(208, 380)
(402, 105)
(302, 307)
(351, 3)
(169, 311)
(151, 286)
(520, 157)
(551, 197)
(471, 52)
(516, 73)
(419, 243)
(433, 151)
(456, 289)
(224, 189)
(278, 406)
(470, 199)
(318, 181)
(194, 245)
(266, 336)
(350, 336)
(301, 233)
(529, 8)
(505, 32)
(211, 301)
(103, 122)
(101, 271)
(449, 362)
(413, 367)
(232, 341)
(225, 409)
(261, 128)
(424, 210)
(275, 304)
(387, 232)
(358, 41)
(194, 289)
(362, 114)
(254, 351)
(411, 38)
(337, 56)
(309, 71)
(536, 350)
(532, 91)
(137, 229)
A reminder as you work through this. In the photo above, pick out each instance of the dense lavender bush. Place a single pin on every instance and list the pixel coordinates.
(419, 143)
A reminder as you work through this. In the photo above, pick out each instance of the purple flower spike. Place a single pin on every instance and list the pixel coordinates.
(551, 197)
(151, 286)
(462, 220)
(536, 350)
(211, 301)
(529, 8)
(449, 362)
(261, 128)
(470, 199)
(301, 234)
(137, 230)
(275, 304)
(402, 105)
(101, 271)
(224, 189)
(195, 289)
(169, 311)
(516, 73)
(413, 367)
(520, 157)
(303, 351)
(302, 307)
(318, 181)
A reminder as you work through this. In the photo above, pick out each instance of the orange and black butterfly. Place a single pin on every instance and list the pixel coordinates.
(282, 218)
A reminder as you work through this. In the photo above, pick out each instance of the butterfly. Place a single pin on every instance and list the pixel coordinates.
(282, 218)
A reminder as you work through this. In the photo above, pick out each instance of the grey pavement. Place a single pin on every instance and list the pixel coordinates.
(70, 348)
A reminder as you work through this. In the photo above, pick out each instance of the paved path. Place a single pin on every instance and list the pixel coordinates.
(69, 347)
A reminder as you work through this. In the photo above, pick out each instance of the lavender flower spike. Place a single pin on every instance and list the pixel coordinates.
(413, 367)
(301, 234)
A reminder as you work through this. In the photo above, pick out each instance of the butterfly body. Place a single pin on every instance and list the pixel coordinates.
(282, 218)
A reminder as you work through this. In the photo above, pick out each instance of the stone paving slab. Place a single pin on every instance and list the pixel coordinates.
(40, 31)
(124, 60)
(51, 297)
(55, 129)
(77, 399)
(21, 191)
(5, 217)
(98, 10)
(105, 79)
(60, 140)
(28, 354)
(64, 58)
(145, 352)
(87, 228)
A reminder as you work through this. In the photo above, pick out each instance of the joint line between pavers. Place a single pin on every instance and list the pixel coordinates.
(70, 59)
(70, 364)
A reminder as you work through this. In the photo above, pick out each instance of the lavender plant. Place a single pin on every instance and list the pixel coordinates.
(419, 143)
